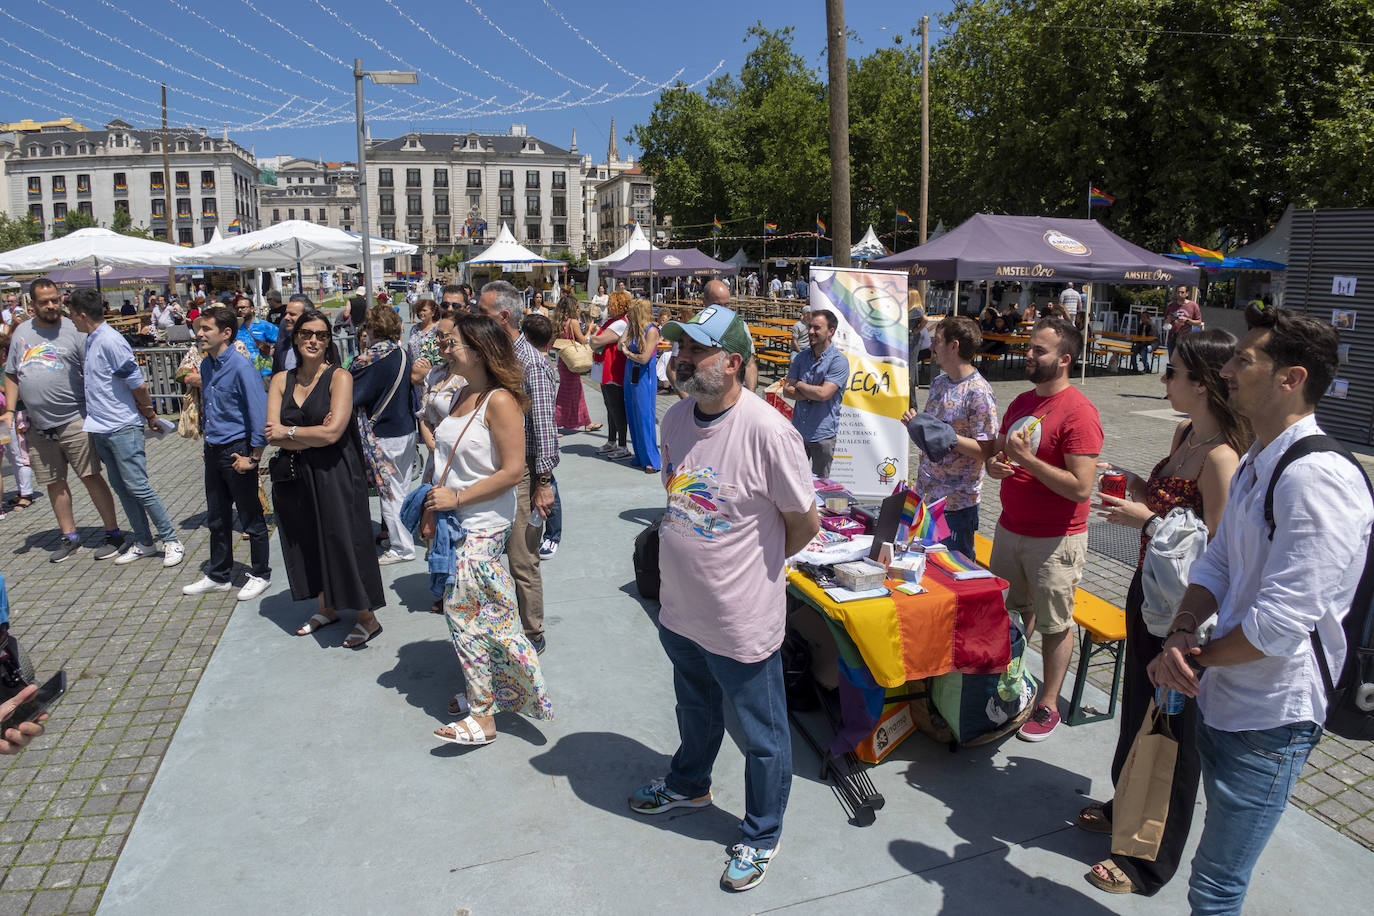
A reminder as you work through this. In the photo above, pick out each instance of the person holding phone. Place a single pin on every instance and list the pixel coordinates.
(14, 736)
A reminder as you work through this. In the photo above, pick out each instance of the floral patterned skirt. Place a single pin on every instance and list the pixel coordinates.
(499, 664)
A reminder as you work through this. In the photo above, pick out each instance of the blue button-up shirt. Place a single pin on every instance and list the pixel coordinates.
(111, 377)
(817, 420)
(233, 402)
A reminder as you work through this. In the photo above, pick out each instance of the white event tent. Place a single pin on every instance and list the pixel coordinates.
(510, 255)
(637, 242)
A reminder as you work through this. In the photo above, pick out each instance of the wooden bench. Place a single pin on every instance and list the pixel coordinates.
(777, 364)
(1102, 631)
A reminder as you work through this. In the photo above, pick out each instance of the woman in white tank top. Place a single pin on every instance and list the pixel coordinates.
(479, 459)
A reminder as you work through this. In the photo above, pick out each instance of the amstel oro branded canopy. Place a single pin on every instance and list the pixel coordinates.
(1037, 249)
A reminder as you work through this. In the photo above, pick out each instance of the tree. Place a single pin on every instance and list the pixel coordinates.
(16, 233)
(76, 219)
(449, 262)
(124, 225)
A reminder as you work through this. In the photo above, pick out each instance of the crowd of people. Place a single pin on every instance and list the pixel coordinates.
(473, 396)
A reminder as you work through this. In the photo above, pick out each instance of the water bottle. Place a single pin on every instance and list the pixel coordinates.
(1171, 701)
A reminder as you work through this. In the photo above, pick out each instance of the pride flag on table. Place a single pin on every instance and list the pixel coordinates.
(769, 228)
(921, 523)
(1207, 256)
(903, 218)
(1098, 198)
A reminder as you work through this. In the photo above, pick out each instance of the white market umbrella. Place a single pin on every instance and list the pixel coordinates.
(292, 242)
(92, 249)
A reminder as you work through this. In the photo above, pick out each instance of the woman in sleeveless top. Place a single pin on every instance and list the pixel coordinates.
(479, 457)
(1196, 475)
(322, 515)
(570, 407)
(639, 346)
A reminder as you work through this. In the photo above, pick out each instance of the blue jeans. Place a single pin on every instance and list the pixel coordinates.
(702, 681)
(962, 524)
(127, 467)
(553, 525)
(1248, 777)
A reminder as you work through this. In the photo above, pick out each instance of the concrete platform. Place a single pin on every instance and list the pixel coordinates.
(303, 779)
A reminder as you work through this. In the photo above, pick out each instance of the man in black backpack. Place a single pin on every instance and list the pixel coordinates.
(1258, 682)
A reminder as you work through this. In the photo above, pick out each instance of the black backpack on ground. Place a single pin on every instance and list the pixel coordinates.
(1350, 697)
(646, 561)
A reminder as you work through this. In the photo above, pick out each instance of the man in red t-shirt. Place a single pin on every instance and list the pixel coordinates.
(1183, 316)
(1046, 459)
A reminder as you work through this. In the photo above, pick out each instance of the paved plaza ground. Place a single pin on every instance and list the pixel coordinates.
(205, 760)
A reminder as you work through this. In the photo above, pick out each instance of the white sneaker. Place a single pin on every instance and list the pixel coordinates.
(172, 553)
(203, 586)
(547, 548)
(253, 588)
(135, 552)
(390, 557)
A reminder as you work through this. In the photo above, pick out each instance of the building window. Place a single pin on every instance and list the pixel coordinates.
(384, 179)
(86, 207)
(121, 183)
(183, 208)
(412, 178)
(59, 212)
(441, 233)
(276, 215)
(207, 233)
(507, 178)
(347, 213)
(386, 204)
(59, 184)
(474, 178)
(290, 212)
(207, 207)
(441, 204)
(474, 201)
(413, 205)
(121, 206)
(507, 204)
(532, 232)
(185, 236)
(560, 181)
(532, 178)
(532, 204)
(35, 187)
(183, 181)
(155, 182)
(560, 206)
(388, 230)
(322, 218)
(36, 215)
(414, 233)
(83, 184)
(181, 148)
(560, 234)
(441, 178)
(159, 207)
(347, 227)
(207, 180)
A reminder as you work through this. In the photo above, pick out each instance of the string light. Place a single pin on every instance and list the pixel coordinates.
(515, 41)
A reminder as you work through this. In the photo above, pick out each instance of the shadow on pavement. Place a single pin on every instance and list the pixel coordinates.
(603, 768)
(1003, 820)
(645, 515)
(46, 538)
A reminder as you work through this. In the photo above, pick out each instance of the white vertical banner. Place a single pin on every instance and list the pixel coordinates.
(872, 445)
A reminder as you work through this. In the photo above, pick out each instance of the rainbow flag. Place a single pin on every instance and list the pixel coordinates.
(903, 217)
(1098, 198)
(956, 564)
(907, 520)
(820, 226)
(919, 522)
(1207, 256)
(716, 225)
(769, 228)
(236, 226)
(628, 226)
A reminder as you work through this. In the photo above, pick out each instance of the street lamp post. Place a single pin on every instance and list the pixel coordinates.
(381, 78)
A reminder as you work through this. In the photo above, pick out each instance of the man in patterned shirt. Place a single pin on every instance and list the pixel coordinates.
(961, 397)
(504, 304)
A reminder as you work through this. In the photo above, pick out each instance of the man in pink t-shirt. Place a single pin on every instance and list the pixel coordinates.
(1183, 316)
(1047, 461)
(740, 501)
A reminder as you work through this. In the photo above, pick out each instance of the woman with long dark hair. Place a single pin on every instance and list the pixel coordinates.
(381, 395)
(479, 459)
(320, 489)
(1196, 475)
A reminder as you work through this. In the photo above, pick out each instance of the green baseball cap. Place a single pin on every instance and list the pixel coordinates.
(714, 326)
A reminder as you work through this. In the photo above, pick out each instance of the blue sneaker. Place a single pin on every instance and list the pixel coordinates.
(655, 798)
(747, 867)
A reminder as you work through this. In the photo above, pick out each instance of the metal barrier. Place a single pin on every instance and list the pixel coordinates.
(159, 367)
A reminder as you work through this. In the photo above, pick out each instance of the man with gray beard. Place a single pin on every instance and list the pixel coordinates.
(740, 501)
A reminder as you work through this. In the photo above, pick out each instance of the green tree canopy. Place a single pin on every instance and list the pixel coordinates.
(16, 233)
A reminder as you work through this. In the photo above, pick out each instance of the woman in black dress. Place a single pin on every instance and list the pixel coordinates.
(326, 528)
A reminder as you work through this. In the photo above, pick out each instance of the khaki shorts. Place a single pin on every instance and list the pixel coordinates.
(1043, 573)
(71, 447)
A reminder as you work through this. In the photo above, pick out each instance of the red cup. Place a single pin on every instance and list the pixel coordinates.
(1114, 484)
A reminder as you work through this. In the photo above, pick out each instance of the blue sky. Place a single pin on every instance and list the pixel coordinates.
(277, 73)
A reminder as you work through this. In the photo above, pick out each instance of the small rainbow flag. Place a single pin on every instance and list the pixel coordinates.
(919, 522)
(820, 226)
(1207, 256)
(903, 217)
(769, 228)
(1098, 198)
(956, 565)
(236, 226)
(628, 226)
(716, 224)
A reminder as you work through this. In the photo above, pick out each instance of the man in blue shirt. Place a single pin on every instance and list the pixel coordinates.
(816, 380)
(117, 405)
(233, 420)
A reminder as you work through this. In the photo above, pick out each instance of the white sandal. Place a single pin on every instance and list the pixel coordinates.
(465, 731)
(316, 622)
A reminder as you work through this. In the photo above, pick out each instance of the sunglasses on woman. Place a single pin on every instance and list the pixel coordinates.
(322, 336)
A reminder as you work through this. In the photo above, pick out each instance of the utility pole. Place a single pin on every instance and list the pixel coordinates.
(925, 137)
(839, 130)
(167, 191)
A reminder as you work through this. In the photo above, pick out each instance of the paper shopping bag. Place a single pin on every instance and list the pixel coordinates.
(1141, 804)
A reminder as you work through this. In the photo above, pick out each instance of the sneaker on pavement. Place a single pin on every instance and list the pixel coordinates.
(747, 867)
(619, 453)
(539, 644)
(172, 553)
(656, 797)
(1038, 727)
(65, 548)
(204, 585)
(547, 548)
(253, 588)
(113, 547)
(135, 552)
(606, 449)
(391, 557)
